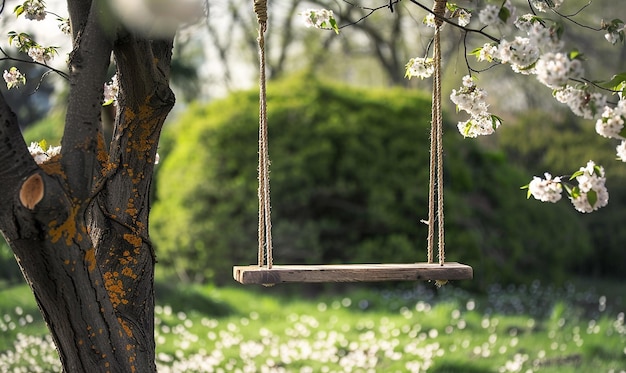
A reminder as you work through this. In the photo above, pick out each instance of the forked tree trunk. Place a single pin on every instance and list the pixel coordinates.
(78, 224)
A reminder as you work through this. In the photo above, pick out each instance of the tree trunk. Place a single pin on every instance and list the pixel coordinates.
(78, 223)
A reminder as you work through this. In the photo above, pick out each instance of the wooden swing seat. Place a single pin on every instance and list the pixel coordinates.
(254, 274)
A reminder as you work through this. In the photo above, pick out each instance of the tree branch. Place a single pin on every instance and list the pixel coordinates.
(82, 140)
(17, 164)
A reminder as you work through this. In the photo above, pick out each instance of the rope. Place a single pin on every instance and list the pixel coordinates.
(435, 197)
(265, 221)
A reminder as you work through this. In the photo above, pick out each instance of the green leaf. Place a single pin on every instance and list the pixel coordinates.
(616, 82)
(576, 174)
(333, 25)
(592, 197)
(495, 120)
(43, 144)
(18, 10)
(468, 127)
(504, 14)
(575, 54)
(574, 192)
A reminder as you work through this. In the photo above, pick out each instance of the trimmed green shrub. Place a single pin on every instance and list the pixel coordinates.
(349, 181)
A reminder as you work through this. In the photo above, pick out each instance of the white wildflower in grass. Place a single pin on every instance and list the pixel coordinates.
(621, 151)
(320, 18)
(611, 123)
(582, 102)
(14, 78)
(111, 90)
(556, 69)
(420, 67)
(32, 9)
(591, 192)
(546, 190)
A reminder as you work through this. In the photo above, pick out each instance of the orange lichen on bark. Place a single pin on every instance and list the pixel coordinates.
(126, 328)
(115, 288)
(90, 258)
(133, 239)
(66, 229)
(53, 166)
(128, 272)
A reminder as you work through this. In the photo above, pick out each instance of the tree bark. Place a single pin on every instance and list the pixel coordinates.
(78, 223)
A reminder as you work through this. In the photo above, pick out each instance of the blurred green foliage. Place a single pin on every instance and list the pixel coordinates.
(349, 184)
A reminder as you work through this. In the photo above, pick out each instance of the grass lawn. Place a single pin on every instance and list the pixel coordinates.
(536, 328)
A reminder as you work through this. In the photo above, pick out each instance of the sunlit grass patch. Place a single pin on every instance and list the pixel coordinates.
(543, 330)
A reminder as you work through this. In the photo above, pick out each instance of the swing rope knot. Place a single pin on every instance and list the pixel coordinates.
(260, 8)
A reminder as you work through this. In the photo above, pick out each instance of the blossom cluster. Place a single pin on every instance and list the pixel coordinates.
(471, 99)
(25, 43)
(589, 195)
(40, 155)
(420, 67)
(320, 18)
(32, 9)
(13, 78)
(546, 190)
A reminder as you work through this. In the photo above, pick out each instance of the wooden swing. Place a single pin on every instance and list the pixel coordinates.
(266, 273)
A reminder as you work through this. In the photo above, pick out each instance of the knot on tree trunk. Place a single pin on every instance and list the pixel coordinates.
(32, 191)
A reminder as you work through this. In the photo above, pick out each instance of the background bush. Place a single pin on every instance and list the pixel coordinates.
(349, 184)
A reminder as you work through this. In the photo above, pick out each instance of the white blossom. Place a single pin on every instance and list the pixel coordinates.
(592, 193)
(111, 89)
(546, 190)
(420, 67)
(40, 156)
(488, 52)
(34, 10)
(429, 20)
(611, 123)
(621, 151)
(464, 17)
(582, 103)
(318, 18)
(13, 78)
(472, 100)
(555, 69)
(489, 15)
(40, 54)
(479, 125)
(521, 53)
(64, 26)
